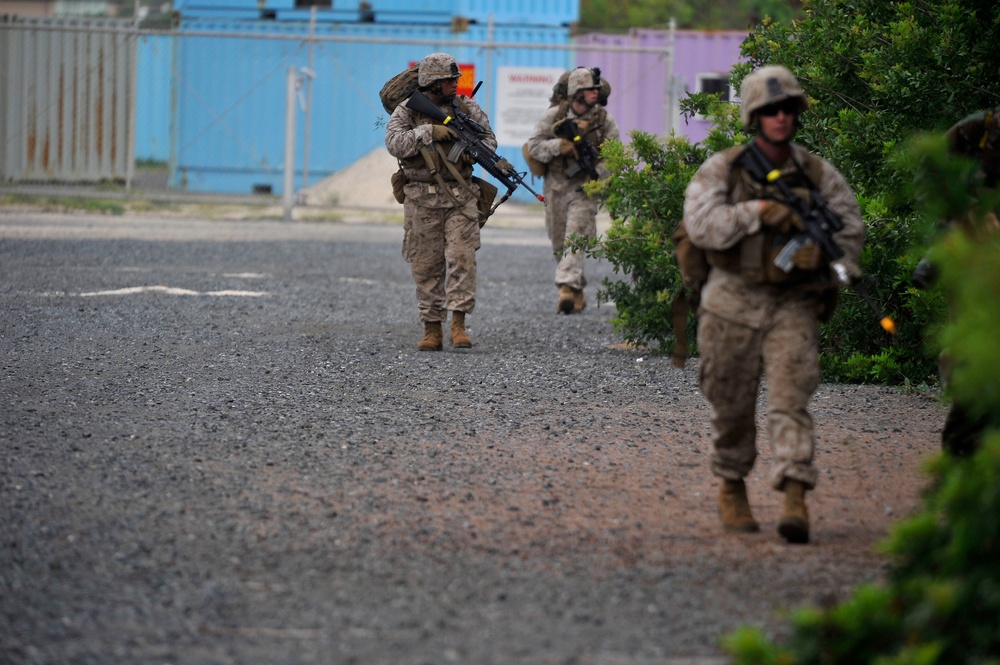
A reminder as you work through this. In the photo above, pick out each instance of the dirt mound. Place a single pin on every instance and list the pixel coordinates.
(363, 184)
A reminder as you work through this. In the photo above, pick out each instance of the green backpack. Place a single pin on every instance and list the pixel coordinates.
(399, 88)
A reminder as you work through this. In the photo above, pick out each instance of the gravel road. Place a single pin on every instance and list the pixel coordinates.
(220, 446)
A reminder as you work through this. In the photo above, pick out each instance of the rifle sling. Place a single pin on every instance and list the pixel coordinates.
(434, 171)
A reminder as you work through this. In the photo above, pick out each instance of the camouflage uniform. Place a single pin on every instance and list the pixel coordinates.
(745, 328)
(976, 136)
(567, 209)
(440, 229)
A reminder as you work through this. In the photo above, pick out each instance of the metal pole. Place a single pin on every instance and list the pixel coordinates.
(489, 69)
(288, 193)
(309, 102)
(131, 99)
(671, 84)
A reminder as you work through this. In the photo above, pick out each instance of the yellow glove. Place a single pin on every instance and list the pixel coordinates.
(780, 217)
(809, 257)
(442, 134)
(567, 148)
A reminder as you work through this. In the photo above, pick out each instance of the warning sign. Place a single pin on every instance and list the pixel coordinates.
(522, 97)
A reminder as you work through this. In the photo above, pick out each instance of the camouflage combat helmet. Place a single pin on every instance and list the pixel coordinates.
(768, 85)
(582, 78)
(436, 67)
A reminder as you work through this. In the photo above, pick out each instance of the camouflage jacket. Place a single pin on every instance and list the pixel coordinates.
(720, 216)
(544, 144)
(408, 131)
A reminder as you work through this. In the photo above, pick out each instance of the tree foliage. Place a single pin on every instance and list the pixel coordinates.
(610, 15)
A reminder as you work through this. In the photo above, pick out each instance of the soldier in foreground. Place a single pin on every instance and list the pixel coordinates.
(755, 317)
(976, 136)
(567, 141)
(441, 203)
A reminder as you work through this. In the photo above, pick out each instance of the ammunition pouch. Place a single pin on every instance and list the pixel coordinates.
(398, 181)
(753, 260)
(487, 194)
(537, 168)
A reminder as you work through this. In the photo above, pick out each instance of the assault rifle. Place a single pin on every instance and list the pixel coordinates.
(467, 140)
(820, 224)
(586, 153)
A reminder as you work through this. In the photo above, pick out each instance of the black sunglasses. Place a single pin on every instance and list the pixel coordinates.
(788, 107)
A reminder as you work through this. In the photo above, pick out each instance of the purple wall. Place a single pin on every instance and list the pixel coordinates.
(640, 96)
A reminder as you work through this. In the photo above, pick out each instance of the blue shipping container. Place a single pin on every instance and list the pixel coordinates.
(230, 122)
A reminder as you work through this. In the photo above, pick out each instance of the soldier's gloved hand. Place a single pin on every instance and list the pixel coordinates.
(566, 147)
(809, 257)
(853, 271)
(581, 127)
(442, 134)
(780, 217)
(504, 166)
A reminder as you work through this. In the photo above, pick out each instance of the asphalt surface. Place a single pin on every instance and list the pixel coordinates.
(220, 445)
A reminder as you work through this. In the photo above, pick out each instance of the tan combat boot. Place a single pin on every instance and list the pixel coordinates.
(794, 523)
(433, 338)
(579, 302)
(566, 299)
(459, 338)
(735, 508)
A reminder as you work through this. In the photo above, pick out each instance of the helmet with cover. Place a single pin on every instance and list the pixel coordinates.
(766, 86)
(582, 78)
(437, 67)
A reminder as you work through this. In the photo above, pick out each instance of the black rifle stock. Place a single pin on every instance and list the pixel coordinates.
(586, 153)
(820, 224)
(467, 140)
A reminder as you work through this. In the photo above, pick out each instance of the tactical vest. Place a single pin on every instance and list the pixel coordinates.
(430, 160)
(753, 258)
(596, 119)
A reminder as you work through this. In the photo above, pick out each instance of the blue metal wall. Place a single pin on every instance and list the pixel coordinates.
(152, 105)
(524, 12)
(230, 119)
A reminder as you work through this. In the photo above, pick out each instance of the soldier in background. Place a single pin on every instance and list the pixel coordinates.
(754, 317)
(568, 209)
(976, 136)
(441, 204)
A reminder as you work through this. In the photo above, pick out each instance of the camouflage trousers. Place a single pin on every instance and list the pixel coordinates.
(732, 358)
(568, 211)
(440, 245)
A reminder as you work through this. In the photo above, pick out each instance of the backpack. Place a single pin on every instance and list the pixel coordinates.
(399, 88)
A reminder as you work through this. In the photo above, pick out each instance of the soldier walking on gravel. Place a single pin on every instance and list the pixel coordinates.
(561, 136)
(755, 318)
(441, 206)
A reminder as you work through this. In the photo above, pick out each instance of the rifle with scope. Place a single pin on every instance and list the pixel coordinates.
(467, 141)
